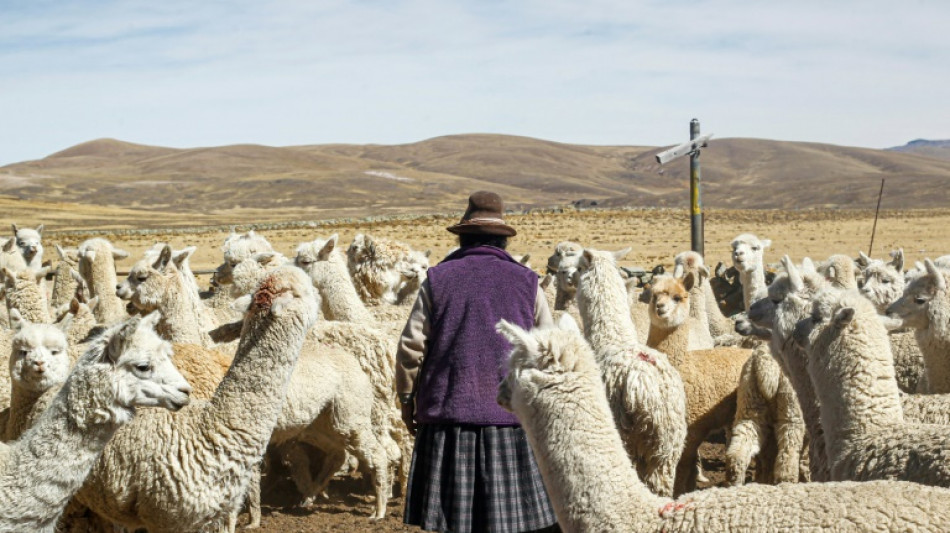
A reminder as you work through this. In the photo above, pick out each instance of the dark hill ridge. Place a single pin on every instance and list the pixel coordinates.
(438, 174)
(938, 149)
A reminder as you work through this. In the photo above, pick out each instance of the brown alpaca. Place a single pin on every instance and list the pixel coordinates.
(709, 377)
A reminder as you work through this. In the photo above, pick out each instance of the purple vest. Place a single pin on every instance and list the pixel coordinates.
(472, 289)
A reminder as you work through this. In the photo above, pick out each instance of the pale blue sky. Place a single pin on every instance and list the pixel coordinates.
(206, 73)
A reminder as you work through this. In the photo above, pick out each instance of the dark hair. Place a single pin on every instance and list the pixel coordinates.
(469, 239)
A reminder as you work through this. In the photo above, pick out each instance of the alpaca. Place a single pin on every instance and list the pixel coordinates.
(747, 251)
(144, 482)
(24, 292)
(553, 387)
(237, 248)
(97, 266)
(721, 328)
(328, 271)
(839, 270)
(710, 378)
(127, 367)
(852, 369)
(645, 391)
(64, 282)
(162, 285)
(700, 337)
(39, 364)
(413, 270)
(29, 241)
(925, 308)
(883, 284)
(375, 264)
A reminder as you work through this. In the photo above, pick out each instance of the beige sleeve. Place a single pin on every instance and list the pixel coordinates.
(412, 342)
(542, 313)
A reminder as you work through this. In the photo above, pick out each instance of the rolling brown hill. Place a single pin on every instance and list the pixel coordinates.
(234, 183)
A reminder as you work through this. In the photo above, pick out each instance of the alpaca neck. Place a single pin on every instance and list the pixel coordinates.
(935, 348)
(602, 301)
(30, 300)
(674, 341)
(563, 299)
(576, 444)
(251, 394)
(111, 308)
(184, 316)
(338, 295)
(50, 462)
(793, 363)
(753, 285)
(857, 394)
(25, 406)
(64, 286)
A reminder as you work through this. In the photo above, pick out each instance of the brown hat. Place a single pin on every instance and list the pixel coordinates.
(484, 216)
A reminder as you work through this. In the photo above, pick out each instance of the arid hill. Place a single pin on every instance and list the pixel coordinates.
(251, 182)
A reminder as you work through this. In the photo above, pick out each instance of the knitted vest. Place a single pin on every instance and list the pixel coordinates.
(466, 359)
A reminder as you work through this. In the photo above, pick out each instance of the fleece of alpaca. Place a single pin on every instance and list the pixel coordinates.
(552, 387)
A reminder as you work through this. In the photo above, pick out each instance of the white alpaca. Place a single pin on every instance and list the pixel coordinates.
(377, 266)
(162, 284)
(128, 367)
(925, 308)
(840, 271)
(97, 266)
(236, 248)
(553, 388)
(747, 252)
(24, 292)
(29, 242)
(721, 328)
(64, 282)
(852, 369)
(328, 271)
(39, 364)
(883, 284)
(195, 476)
(645, 391)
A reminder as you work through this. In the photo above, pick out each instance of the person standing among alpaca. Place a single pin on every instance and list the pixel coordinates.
(472, 468)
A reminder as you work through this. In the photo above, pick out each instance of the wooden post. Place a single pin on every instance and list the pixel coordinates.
(876, 211)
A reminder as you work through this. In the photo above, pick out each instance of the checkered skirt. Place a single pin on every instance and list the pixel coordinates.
(475, 478)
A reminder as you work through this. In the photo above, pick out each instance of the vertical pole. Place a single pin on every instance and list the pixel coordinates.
(876, 211)
(695, 199)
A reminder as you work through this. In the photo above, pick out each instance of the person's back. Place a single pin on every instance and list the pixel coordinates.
(472, 469)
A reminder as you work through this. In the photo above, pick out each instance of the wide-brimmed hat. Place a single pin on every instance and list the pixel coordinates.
(484, 216)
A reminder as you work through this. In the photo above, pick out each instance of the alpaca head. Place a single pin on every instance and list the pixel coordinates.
(24, 291)
(283, 291)
(137, 363)
(669, 301)
(236, 248)
(789, 299)
(247, 274)
(562, 250)
(747, 252)
(925, 290)
(150, 281)
(29, 241)
(39, 359)
(567, 278)
(96, 257)
(414, 265)
(839, 269)
(883, 283)
(540, 359)
(359, 250)
(689, 261)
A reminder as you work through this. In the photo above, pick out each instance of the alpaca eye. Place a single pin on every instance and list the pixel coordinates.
(142, 279)
(678, 299)
(885, 281)
(920, 300)
(776, 301)
(755, 248)
(23, 352)
(144, 367)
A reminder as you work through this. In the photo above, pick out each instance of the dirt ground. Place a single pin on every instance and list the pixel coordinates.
(655, 236)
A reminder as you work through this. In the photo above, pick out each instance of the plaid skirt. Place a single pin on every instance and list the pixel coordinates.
(475, 478)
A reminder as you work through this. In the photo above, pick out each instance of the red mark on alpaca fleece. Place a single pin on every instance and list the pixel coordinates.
(647, 357)
(264, 297)
(672, 507)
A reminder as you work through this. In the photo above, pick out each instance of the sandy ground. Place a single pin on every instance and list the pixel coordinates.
(654, 236)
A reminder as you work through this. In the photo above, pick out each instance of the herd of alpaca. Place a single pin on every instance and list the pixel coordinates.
(833, 372)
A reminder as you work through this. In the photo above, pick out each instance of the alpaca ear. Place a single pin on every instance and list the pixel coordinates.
(546, 281)
(118, 253)
(15, 229)
(808, 266)
(9, 245)
(265, 258)
(678, 270)
(74, 305)
(328, 247)
(164, 258)
(60, 251)
(76, 276)
(427, 253)
(863, 259)
(689, 281)
(620, 254)
(567, 323)
(897, 260)
(182, 255)
(794, 276)
(937, 276)
(41, 273)
(120, 340)
(92, 303)
(8, 277)
(588, 256)
(844, 317)
(516, 336)
(39, 229)
(16, 320)
(766, 243)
